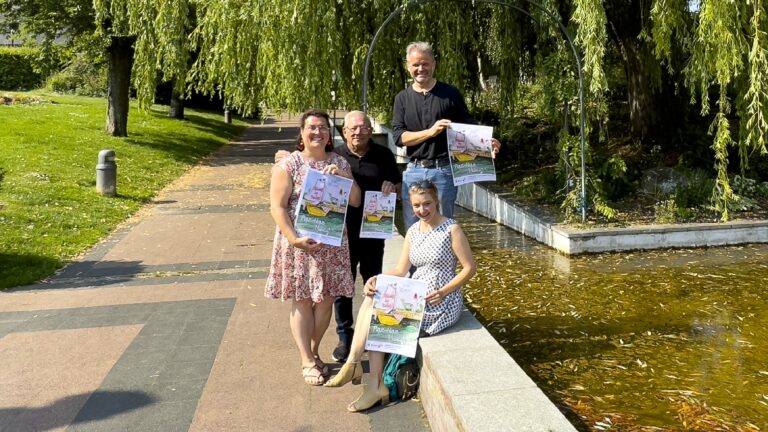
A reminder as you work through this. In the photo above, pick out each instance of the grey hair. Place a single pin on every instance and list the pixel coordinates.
(423, 47)
(352, 113)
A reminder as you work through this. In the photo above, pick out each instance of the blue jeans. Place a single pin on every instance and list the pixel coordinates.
(441, 177)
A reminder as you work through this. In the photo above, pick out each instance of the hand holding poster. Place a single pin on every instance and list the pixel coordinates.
(398, 307)
(378, 215)
(471, 153)
(322, 207)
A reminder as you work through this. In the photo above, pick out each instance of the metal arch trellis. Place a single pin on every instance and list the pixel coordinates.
(582, 121)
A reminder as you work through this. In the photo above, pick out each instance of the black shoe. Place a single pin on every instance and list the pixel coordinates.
(341, 352)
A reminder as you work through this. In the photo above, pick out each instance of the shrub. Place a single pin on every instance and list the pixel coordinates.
(696, 192)
(17, 70)
(665, 212)
(749, 188)
(81, 76)
(21, 99)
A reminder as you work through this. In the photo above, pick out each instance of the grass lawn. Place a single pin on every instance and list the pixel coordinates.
(49, 209)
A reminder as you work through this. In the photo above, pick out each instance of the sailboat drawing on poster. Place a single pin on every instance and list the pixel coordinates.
(322, 208)
(378, 215)
(471, 153)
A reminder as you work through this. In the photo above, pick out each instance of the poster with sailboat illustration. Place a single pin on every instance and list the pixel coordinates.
(398, 308)
(322, 207)
(378, 215)
(471, 153)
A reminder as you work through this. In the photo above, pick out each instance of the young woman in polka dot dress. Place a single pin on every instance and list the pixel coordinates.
(435, 244)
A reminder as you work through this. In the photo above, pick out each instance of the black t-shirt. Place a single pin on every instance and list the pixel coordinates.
(370, 171)
(414, 111)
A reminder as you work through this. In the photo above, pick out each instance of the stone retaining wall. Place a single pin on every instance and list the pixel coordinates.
(495, 206)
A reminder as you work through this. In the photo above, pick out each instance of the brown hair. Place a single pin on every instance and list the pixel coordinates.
(304, 117)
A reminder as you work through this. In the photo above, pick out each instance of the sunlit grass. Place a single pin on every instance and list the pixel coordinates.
(49, 209)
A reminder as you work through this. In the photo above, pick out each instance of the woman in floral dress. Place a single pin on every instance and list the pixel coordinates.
(308, 273)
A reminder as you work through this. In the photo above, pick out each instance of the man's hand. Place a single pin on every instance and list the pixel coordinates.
(439, 127)
(280, 155)
(387, 188)
(495, 147)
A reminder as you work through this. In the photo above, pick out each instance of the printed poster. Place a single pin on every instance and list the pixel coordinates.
(471, 153)
(322, 208)
(378, 215)
(398, 307)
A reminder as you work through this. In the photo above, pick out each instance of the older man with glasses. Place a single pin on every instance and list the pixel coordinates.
(421, 114)
(374, 169)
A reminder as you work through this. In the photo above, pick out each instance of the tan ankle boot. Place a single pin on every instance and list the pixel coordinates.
(369, 398)
(349, 372)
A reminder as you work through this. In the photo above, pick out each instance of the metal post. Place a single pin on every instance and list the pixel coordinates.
(333, 103)
(227, 115)
(106, 173)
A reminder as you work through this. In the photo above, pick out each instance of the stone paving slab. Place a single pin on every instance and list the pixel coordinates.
(48, 376)
(208, 352)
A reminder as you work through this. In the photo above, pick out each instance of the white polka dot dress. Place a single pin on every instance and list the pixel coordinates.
(432, 254)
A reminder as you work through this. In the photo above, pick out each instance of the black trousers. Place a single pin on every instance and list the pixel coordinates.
(369, 255)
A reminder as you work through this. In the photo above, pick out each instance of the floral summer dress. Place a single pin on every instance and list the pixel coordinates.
(432, 254)
(296, 274)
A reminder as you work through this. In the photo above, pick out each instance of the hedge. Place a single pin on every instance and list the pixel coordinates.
(16, 71)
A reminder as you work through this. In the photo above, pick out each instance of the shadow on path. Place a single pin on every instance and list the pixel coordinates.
(61, 413)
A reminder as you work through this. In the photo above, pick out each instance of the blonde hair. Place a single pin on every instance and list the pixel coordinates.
(425, 187)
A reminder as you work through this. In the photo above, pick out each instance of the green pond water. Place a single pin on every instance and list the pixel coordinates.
(655, 340)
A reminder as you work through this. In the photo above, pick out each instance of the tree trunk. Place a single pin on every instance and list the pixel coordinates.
(650, 91)
(120, 53)
(177, 105)
(646, 99)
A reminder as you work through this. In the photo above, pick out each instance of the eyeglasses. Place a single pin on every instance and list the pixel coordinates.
(362, 129)
(422, 184)
(322, 129)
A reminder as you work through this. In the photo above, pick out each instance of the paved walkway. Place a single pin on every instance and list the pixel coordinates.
(164, 325)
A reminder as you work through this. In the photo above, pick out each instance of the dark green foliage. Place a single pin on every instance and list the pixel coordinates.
(82, 76)
(613, 181)
(16, 68)
(697, 192)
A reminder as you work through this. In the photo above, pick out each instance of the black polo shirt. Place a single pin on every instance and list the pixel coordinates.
(370, 171)
(414, 111)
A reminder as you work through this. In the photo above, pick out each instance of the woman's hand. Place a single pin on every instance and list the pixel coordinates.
(435, 297)
(370, 287)
(335, 170)
(306, 244)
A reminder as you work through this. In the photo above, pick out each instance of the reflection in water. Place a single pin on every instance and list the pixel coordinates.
(647, 340)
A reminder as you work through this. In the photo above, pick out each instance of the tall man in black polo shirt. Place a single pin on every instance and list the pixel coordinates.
(420, 116)
(374, 169)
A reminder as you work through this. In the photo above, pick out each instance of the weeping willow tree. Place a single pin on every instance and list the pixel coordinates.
(144, 40)
(292, 54)
(683, 61)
